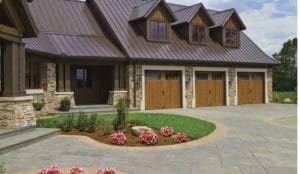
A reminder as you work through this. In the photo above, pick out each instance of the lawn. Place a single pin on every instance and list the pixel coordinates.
(279, 96)
(192, 127)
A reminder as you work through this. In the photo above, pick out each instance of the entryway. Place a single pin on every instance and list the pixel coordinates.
(91, 84)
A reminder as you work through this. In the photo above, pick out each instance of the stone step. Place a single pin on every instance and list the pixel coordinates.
(5, 133)
(93, 107)
(25, 138)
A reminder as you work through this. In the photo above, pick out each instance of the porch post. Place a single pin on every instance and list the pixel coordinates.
(14, 68)
(61, 86)
(67, 78)
(116, 77)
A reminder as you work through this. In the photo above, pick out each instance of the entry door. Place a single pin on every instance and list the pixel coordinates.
(210, 88)
(162, 89)
(250, 88)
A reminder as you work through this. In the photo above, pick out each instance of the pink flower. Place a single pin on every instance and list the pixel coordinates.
(76, 170)
(51, 170)
(148, 137)
(166, 131)
(118, 138)
(106, 171)
(179, 138)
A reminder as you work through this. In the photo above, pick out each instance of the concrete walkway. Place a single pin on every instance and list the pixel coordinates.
(251, 146)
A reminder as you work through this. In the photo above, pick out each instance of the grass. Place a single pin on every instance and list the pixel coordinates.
(279, 96)
(192, 127)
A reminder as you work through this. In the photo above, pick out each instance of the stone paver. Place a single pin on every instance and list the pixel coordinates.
(251, 146)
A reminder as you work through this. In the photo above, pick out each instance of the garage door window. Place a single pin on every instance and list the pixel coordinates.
(152, 75)
(243, 76)
(258, 76)
(172, 76)
(202, 76)
(217, 76)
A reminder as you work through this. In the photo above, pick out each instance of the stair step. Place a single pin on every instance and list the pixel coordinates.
(93, 106)
(5, 133)
(25, 138)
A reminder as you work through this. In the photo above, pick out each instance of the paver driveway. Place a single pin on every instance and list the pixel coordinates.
(250, 146)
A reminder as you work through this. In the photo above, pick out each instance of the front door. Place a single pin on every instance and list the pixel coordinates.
(91, 84)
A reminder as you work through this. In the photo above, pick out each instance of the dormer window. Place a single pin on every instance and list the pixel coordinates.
(231, 37)
(199, 34)
(158, 30)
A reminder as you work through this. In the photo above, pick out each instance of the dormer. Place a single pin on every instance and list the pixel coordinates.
(153, 18)
(193, 24)
(228, 27)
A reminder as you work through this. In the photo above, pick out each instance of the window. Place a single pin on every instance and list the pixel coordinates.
(32, 74)
(243, 76)
(217, 76)
(83, 76)
(231, 37)
(172, 76)
(158, 30)
(201, 76)
(199, 34)
(258, 76)
(153, 75)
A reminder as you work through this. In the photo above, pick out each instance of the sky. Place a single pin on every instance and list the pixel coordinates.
(269, 23)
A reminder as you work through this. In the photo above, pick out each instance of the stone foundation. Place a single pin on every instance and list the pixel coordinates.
(16, 112)
(114, 96)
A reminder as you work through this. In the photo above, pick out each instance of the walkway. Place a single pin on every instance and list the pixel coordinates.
(251, 146)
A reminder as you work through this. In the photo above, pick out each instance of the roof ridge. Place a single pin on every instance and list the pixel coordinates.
(224, 11)
(177, 4)
(186, 7)
(148, 1)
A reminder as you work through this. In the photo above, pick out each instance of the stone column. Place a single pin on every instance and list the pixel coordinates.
(14, 70)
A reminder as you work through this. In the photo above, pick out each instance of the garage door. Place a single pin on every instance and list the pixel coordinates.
(250, 87)
(210, 89)
(162, 89)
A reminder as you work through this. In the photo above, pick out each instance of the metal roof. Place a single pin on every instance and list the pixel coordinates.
(222, 17)
(68, 28)
(117, 13)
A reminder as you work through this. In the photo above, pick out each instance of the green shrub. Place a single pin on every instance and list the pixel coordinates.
(122, 110)
(81, 122)
(100, 122)
(38, 106)
(65, 104)
(2, 169)
(92, 123)
(67, 125)
(108, 128)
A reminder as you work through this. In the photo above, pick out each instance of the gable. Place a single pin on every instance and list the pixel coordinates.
(159, 13)
(233, 23)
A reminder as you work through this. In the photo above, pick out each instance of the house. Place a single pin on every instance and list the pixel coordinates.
(160, 55)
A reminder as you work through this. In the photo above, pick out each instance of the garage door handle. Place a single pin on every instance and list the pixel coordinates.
(163, 93)
(250, 91)
(209, 91)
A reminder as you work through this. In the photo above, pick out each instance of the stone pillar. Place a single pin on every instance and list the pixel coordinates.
(114, 96)
(270, 84)
(189, 87)
(232, 90)
(14, 70)
(130, 84)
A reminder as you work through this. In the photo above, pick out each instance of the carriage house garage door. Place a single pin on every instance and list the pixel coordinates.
(162, 89)
(210, 88)
(250, 87)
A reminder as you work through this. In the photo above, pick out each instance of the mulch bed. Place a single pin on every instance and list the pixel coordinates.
(132, 140)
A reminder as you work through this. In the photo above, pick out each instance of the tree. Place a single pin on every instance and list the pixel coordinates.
(285, 75)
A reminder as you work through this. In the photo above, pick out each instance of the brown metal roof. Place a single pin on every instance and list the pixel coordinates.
(222, 17)
(117, 13)
(185, 15)
(144, 9)
(68, 28)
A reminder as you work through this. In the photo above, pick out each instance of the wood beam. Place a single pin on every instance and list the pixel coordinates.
(11, 12)
(67, 78)
(10, 30)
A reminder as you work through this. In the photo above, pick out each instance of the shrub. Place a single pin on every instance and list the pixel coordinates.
(81, 122)
(92, 123)
(179, 138)
(166, 131)
(118, 138)
(108, 128)
(38, 106)
(65, 104)
(148, 137)
(76, 170)
(122, 110)
(106, 171)
(51, 170)
(2, 169)
(67, 125)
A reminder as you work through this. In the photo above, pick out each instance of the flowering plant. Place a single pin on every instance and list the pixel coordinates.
(179, 138)
(166, 131)
(51, 170)
(106, 171)
(118, 138)
(76, 170)
(148, 137)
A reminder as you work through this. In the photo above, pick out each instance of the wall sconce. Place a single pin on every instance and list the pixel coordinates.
(138, 79)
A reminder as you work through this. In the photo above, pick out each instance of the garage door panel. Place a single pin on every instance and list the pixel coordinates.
(257, 91)
(202, 89)
(217, 89)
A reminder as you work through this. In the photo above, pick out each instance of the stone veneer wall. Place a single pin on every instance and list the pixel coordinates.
(189, 86)
(231, 87)
(270, 84)
(16, 112)
(114, 96)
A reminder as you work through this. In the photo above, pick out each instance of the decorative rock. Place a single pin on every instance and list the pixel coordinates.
(136, 130)
(287, 100)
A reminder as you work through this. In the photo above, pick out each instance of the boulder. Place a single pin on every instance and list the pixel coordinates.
(287, 100)
(136, 130)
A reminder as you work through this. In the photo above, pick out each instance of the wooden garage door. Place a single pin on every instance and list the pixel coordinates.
(162, 89)
(250, 88)
(210, 89)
